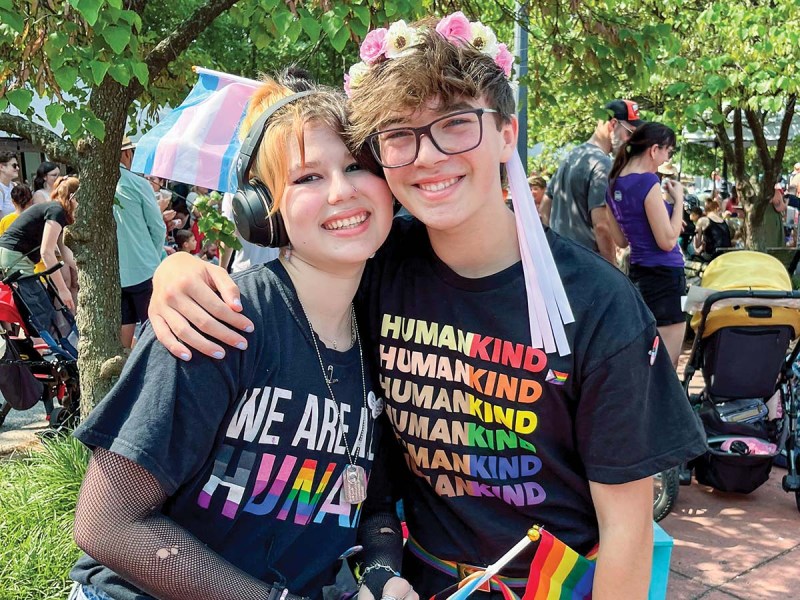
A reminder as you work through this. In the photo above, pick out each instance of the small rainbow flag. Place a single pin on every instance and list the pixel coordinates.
(557, 571)
(198, 142)
(556, 377)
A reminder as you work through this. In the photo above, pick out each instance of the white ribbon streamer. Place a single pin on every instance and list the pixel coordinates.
(548, 305)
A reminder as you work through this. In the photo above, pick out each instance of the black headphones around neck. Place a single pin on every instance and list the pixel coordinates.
(253, 201)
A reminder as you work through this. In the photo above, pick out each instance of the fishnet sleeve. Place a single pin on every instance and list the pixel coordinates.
(119, 524)
(379, 531)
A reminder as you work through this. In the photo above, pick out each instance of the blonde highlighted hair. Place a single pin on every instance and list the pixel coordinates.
(63, 190)
(435, 69)
(325, 107)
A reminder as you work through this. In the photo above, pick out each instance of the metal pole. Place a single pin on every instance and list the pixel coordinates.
(521, 50)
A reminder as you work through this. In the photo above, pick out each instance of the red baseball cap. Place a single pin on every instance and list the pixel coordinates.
(625, 110)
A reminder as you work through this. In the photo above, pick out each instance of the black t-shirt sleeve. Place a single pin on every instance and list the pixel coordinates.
(634, 420)
(164, 414)
(55, 212)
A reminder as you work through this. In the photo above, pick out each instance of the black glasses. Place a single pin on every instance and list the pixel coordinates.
(454, 133)
(14, 166)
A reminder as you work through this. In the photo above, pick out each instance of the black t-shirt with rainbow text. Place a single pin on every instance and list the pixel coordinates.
(499, 435)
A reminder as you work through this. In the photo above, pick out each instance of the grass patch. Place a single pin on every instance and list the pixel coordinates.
(38, 491)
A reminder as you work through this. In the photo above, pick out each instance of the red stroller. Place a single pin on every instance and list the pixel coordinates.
(38, 354)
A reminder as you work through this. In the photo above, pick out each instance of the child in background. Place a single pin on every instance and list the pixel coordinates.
(185, 241)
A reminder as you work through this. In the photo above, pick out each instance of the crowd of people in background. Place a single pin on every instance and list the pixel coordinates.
(154, 218)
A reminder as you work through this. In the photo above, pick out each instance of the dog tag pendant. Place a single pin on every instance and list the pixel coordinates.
(354, 484)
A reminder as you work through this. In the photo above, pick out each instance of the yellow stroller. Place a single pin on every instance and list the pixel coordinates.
(749, 403)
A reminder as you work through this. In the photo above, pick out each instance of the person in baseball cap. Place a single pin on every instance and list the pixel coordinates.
(625, 110)
(574, 205)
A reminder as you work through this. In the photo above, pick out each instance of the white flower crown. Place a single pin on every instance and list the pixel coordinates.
(400, 38)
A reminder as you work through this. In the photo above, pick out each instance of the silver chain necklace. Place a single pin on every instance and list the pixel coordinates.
(354, 478)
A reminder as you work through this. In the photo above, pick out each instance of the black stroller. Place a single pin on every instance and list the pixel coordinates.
(746, 347)
(39, 349)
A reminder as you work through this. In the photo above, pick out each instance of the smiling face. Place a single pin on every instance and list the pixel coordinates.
(336, 213)
(447, 192)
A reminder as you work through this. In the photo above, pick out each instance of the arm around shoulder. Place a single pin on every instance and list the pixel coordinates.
(185, 297)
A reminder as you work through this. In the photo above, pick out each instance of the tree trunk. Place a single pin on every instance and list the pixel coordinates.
(759, 234)
(93, 239)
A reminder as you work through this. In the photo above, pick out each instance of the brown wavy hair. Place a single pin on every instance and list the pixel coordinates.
(436, 69)
(63, 190)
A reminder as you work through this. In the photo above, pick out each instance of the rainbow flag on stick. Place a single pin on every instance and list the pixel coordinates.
(558, 572)
(198, 142)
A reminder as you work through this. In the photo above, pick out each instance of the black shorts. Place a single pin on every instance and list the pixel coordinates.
(136, 301)
(661, 288)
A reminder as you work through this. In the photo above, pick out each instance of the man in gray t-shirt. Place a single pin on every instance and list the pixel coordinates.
(574, 206)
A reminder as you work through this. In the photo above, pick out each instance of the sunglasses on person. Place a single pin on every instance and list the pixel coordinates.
(670, 153)
(14, 165)
(626, 127)
(454, 133)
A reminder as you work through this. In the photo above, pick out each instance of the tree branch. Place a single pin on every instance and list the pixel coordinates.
(783, 137)
(738, 140)
(728, 150)
(53, 145)
(759, 139)
(179, 39)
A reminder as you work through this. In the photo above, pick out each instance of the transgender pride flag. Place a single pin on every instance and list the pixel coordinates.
(198, 142)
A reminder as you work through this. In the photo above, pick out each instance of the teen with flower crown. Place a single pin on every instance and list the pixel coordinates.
(553, 411)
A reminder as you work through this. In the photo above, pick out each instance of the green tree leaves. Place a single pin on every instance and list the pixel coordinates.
(54, 112)
(117, 37)
(90, 9)
(66, 77)
(20, 99)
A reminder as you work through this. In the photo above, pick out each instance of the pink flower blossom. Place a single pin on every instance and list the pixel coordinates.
(504, 59)
(373, 46)
(455, 28)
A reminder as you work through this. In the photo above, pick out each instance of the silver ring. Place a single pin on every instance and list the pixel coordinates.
(385, 597)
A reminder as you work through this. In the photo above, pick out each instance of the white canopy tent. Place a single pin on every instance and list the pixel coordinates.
(772, 129)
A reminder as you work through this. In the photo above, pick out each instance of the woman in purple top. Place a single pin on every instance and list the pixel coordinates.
(642, 219)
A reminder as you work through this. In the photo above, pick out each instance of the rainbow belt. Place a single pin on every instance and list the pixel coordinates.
(462, 572)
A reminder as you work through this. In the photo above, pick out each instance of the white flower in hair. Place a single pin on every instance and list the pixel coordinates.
(483, 38)
(399, 39)
(357, 73)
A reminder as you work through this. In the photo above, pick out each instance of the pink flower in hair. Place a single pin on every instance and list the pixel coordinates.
(374, 46)
(455, 28)
(504, 59)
